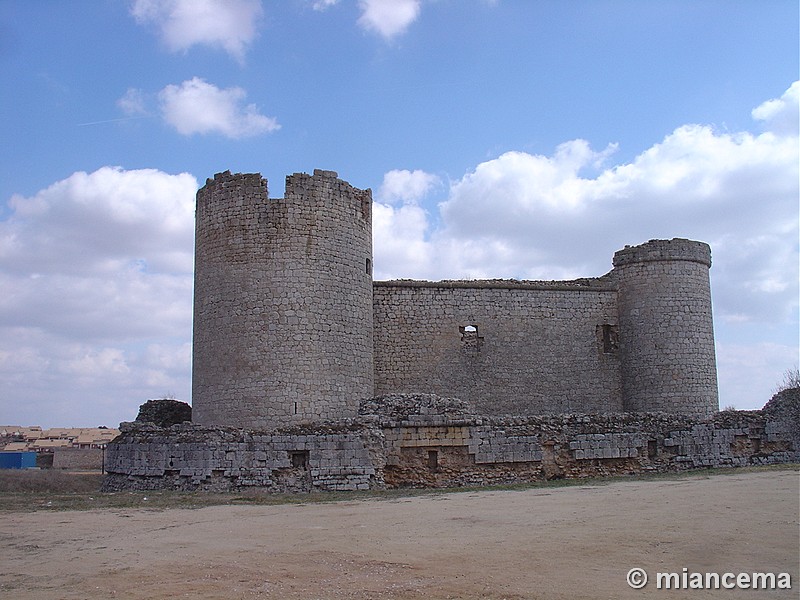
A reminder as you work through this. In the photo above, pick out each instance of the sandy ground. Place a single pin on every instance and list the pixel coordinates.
(574, 542)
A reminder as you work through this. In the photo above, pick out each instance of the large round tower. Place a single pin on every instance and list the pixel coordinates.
(282, 301)
(665, 328)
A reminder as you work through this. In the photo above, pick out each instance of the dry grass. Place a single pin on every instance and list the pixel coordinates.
(48, 480)
(46, 489)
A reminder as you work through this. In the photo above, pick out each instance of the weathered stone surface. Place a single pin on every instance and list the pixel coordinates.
(77, 458)
(193, 457)
(308, 375)
(666, 331)
(164, 412)
(283, 301)
(421, 440)
(290, 327)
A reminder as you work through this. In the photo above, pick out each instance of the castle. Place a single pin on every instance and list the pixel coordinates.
(290, 327)
(307, 374)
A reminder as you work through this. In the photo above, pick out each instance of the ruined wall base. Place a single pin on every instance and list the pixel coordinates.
(193, 458)
(427, 441)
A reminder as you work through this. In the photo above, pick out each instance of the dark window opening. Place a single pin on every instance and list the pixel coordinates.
(295, 408)
(610, 339)
(433, 460)
(470, 340)
(369, 267)
(299, 459)
(756, 445)
(652, 449)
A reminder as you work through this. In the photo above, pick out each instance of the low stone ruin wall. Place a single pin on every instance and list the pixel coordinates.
(427, 441)
(572, 446)
(190, 457)
(84, 459)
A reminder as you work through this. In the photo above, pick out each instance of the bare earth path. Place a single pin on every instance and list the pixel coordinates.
(573, 542)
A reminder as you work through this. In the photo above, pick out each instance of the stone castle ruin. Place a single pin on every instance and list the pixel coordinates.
(309, 375)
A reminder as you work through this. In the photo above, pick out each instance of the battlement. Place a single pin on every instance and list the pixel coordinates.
(326, 188)
(249, 189)
(307, 374)
(664, 250)
(244, 184)
(226, 177)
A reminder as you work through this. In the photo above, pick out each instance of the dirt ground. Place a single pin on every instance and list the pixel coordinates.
(553, 543)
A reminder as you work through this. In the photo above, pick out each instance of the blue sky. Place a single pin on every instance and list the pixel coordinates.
(505, 138)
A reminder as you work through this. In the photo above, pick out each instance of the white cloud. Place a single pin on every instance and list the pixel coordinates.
(100, 222)
(47, 380)
(538, 216)
(399, 224)
(96, 269)
(406, 186)
(229, 24)
(196, 106)
(97, 277)
(780, 115)
(324, 4)
(400, 243)
(388, 17)
(132, 103)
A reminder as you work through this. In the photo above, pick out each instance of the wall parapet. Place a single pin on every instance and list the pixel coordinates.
(665, 250)
(598, 284)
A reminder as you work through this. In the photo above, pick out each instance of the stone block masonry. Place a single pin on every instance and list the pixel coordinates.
(290, 328)
(192, 457)
(307, 375)
(666, 330)
(637, 339)
(283, 301)
(407, 440)
(90, 459)
(506, 347)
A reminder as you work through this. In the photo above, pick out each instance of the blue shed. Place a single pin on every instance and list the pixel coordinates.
(17, 460)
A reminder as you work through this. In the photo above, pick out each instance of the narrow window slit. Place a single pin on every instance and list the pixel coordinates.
(433, 460)
(652, 449)
(610, 339)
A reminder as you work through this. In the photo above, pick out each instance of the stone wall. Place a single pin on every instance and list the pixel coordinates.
(283, 301)
(407, 440)
(191, 457)
(666, 330)
(638, 339)
(507, 347)
(507, 450)
(290, 328)
(90, 459)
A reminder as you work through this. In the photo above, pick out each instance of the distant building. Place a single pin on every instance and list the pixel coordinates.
(14, 438)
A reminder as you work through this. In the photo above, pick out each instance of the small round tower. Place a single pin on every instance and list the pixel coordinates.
(282, 301)
(665, 327)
